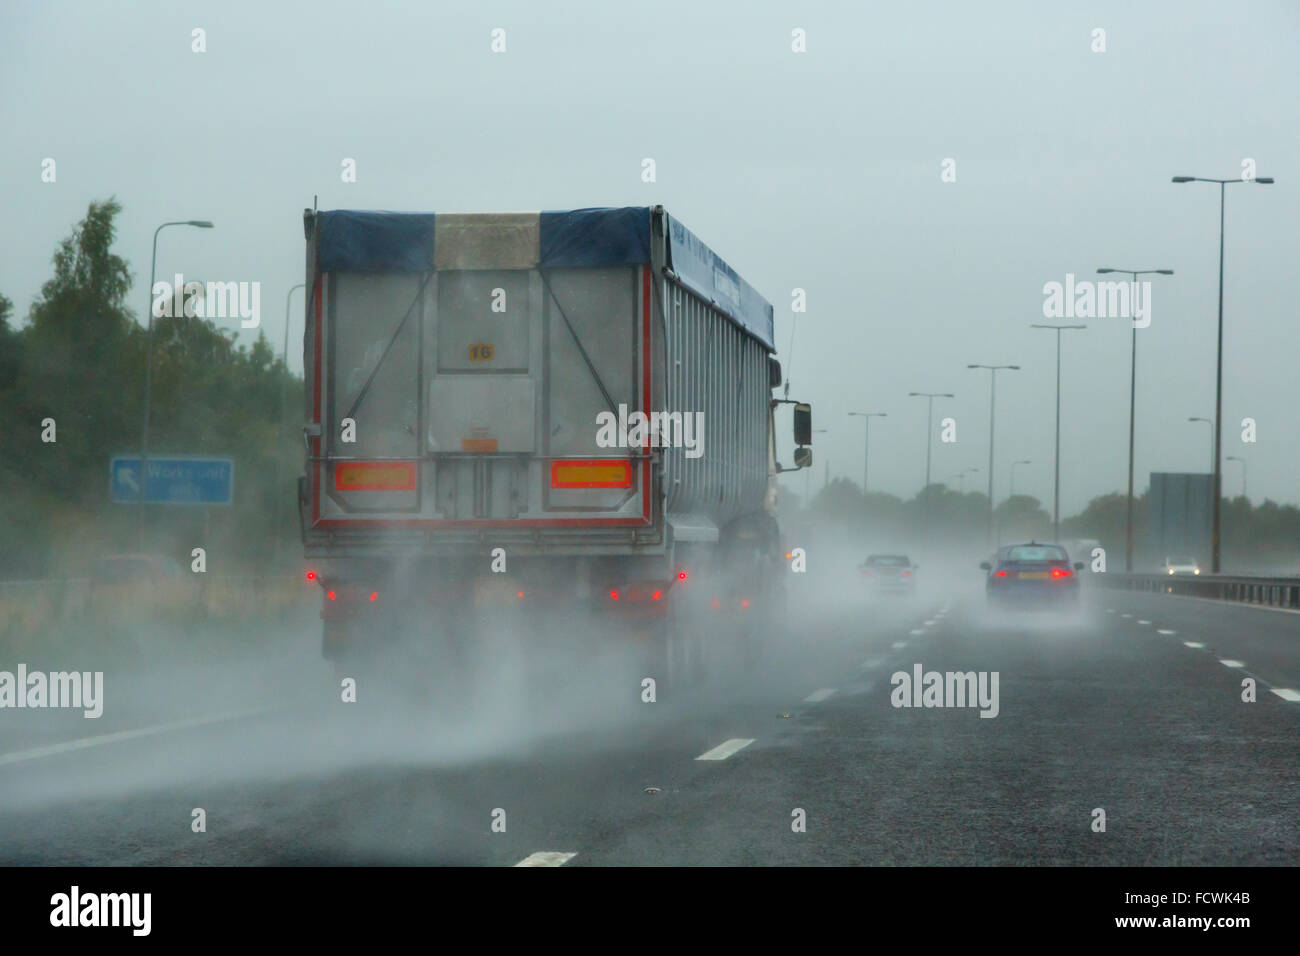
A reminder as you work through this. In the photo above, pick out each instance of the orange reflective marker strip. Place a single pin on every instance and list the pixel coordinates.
(375, 476)
(593, 473)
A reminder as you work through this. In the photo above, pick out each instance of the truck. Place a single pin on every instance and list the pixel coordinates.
(567, 411)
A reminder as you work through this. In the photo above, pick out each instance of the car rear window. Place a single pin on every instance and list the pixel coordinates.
(889, 560)
(1035, 552)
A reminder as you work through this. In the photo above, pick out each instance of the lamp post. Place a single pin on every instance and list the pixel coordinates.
(148, 368)
(807, 473)
(929, 423)
(1132, 401)
(1213, 438)
(993, 392)
(866, 436)
(1241, 461)
(1218, 375)
(1056, 497)
(1023, 461)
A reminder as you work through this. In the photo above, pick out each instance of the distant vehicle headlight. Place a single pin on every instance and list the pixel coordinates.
(1171, 570)
(1196, 570)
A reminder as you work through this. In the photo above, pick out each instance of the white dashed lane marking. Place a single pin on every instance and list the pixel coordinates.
(1165, 630)
(1144, 622)
(547, 858)
(1196, 644)
(818, 696)
(724, 750)
(899, 645)
(1286, 693)
(1233, 663)
(86, 742)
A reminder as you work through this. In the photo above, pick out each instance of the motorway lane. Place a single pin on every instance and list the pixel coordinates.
(1102, 712)
(1265, 640)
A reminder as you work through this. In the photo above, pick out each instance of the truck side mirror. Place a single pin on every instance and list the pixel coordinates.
(985, 566)
(803, 425)
(803, 457)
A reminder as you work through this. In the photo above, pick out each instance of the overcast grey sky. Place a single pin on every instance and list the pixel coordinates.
(818, 170)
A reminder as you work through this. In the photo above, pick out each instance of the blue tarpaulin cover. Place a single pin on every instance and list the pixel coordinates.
(352, 241)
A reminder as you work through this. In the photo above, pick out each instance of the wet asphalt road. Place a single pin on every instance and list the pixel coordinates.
(1111, 711)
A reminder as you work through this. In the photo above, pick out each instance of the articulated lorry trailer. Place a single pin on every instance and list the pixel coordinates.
(571, 412)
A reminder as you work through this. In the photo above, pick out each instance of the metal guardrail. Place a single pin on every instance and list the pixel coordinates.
(1239, 589)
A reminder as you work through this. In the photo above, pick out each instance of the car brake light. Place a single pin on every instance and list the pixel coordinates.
(681, 575)
(1061, 572)
(520, 594)
(907, 574)
(744, 602)
(614, 595)
(1000, 574)
(311, 575)
(655, 596)
(374, 595)
(331, 593)
(717, 603)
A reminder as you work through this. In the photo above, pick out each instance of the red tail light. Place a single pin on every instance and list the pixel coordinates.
(374, 595)
(520, 594)
(1062, 573)
(655, 596)
(717, 603)
(744, 602)
(311, 575)
(614, 595)
(907, 574)
(331, 594)
(1000, 574)
(681, 575)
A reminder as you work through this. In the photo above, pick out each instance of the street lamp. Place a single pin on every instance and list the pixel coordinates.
(866, 434)
(1023, 461)
(148, 367)
(1244, 493)
(1218, 375)
(993, 391)
(1056, 498)
(1213, 439)
(1132, 400)
(929, 423)
(279, 467)
(807, 472)
(961, 479)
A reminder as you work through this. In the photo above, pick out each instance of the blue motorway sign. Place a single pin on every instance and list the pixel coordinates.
(172, 479)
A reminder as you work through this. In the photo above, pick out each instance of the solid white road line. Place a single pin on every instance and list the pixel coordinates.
(724, 750)
(1286, 693)
(1193, 643)
(1165, 630)
(818, 696)
(547, 858)
(1233, 663)
(86, 743)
